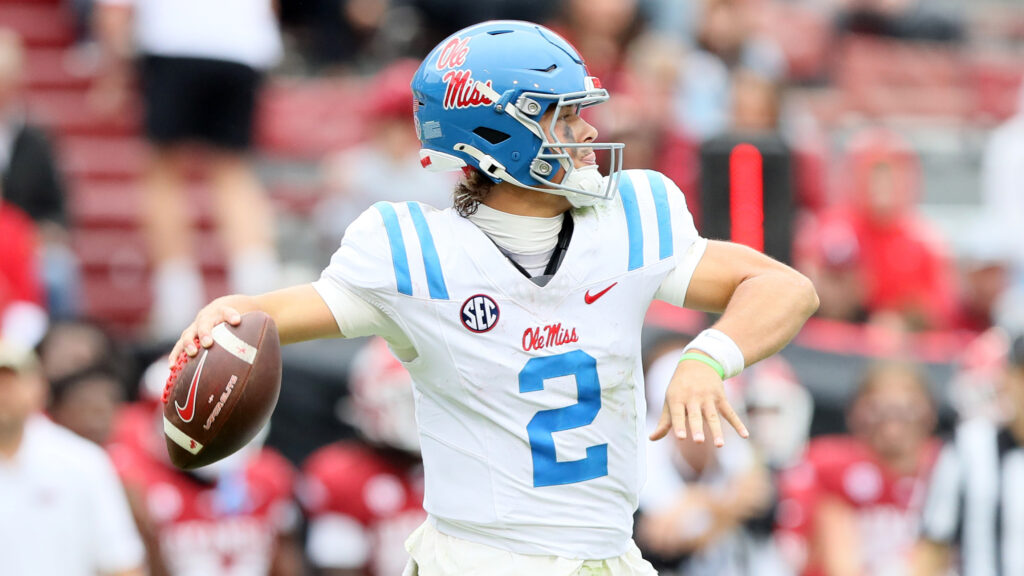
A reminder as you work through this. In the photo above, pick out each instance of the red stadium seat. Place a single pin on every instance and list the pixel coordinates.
(47, 68)
(890, 78)
(39, 23)
(105, 249)
(107, 158)
(996, 82)
(803, 34)
(109, 204)
(310, 119)
(68, 113)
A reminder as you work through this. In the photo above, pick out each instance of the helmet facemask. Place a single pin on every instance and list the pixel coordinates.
(583, 186)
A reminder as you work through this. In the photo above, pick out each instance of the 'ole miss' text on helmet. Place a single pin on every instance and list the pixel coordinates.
(478, 101)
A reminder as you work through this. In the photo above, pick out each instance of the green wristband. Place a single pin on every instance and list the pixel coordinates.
(707, 360)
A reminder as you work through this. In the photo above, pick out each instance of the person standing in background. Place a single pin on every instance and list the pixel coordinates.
(22, 315)
(973, 517)
(31, 181)
(201, 65)
(63, 510)
(1003, 206)
(859, 494)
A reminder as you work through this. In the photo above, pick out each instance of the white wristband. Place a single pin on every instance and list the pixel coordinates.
(719, 346)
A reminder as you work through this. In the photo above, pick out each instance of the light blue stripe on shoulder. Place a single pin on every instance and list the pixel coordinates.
(398, 257)
(431, 263)
(634, 227)
(657, 181)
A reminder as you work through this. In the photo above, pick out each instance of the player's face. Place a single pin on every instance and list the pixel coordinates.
(571, 127)
(20, 396)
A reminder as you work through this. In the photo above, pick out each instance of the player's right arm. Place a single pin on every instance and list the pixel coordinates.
(299, 313)
(342, 303)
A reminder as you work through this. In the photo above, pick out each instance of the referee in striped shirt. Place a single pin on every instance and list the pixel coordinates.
(973, 515)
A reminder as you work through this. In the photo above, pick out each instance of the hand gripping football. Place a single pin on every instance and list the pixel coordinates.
(218, 400)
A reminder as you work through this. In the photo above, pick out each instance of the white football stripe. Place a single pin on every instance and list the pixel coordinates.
(227, 340)
(180, 438)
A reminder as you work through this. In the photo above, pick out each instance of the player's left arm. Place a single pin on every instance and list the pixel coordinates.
(763, 304)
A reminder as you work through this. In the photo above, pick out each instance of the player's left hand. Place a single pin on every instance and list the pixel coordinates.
(695, 395)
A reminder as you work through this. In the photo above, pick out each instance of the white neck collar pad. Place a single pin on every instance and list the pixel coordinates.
(522, 235)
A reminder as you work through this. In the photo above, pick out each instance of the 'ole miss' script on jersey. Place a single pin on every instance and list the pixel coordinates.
(530, 400)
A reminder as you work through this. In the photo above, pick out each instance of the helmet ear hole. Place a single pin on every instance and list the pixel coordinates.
(491, 135)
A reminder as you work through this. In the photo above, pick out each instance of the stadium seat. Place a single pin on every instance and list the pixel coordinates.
(96, 157)
(996, 84)
(48, 68)
(68, 113)
(39, 23)
(310, 119)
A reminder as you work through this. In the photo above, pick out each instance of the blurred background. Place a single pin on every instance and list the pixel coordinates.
(887, 139)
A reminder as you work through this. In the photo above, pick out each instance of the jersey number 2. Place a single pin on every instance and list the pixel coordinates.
(547, 470)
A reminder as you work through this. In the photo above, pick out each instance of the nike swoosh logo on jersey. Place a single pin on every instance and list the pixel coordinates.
(188, 411)
(591, 299)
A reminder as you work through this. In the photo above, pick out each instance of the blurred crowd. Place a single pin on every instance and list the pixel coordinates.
(144, 165)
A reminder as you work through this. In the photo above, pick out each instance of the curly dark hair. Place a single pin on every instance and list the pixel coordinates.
(470, 191)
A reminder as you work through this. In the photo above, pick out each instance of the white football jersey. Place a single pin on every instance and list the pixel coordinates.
(530, 399)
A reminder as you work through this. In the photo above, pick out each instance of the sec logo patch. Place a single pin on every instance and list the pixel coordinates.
(480, 313)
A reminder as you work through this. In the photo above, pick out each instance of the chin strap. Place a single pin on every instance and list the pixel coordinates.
(587, 178)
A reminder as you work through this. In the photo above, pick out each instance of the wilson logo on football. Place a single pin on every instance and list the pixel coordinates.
(220, 404)
(480, 313)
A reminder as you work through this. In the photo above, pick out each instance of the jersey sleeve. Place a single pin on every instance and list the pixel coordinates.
(359, 279)
(687, 245)
(362, 265)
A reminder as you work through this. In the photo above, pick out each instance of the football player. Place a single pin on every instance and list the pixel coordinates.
(363, 499)
(518, 312)
(233, 518)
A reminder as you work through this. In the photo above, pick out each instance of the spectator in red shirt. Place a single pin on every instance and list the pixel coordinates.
(901, 259)
(22, 316)
(854, 498)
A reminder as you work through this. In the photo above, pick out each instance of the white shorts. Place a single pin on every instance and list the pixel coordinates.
(436, 554)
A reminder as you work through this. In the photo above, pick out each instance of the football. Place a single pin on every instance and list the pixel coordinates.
(218, 400)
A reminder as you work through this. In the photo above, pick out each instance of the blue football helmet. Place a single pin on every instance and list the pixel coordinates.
(478, 101)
